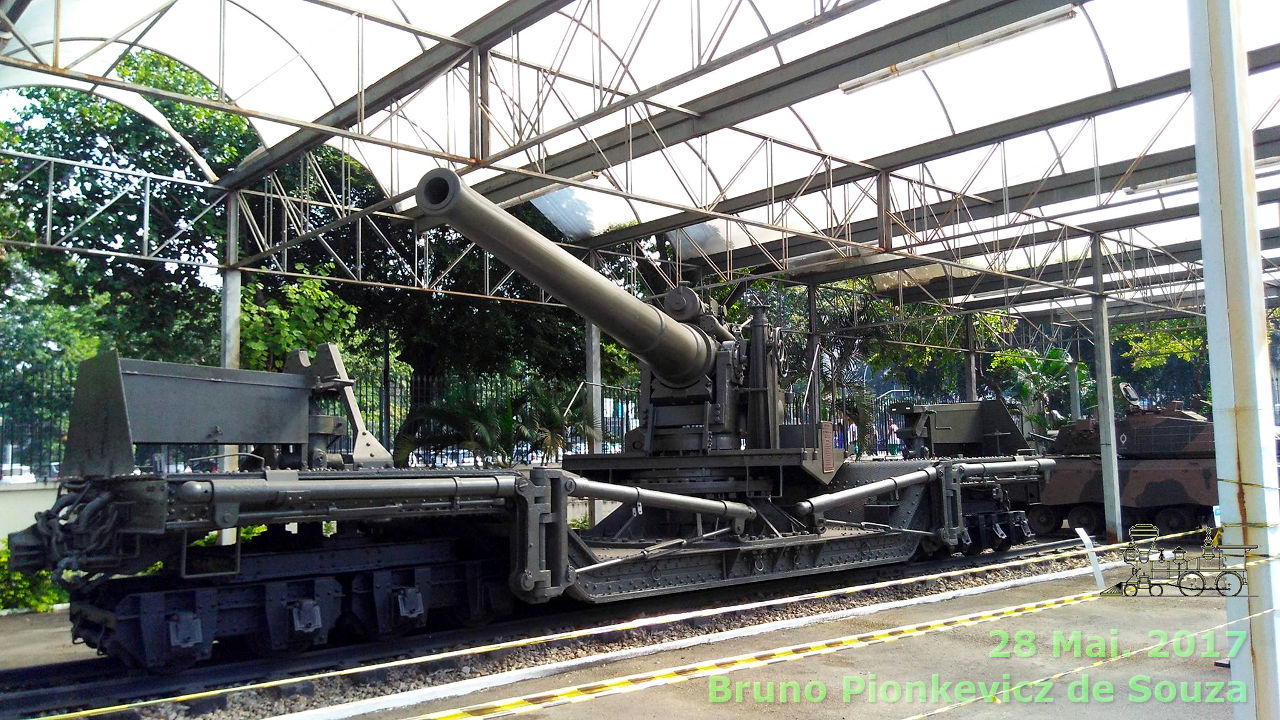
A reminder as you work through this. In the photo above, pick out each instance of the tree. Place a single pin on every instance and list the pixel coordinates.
(1170, 356)
(41, 344)
(37, 333)
(552, 424)
(1040, 382)
(299, 315)
(163, 311)
(491, 429)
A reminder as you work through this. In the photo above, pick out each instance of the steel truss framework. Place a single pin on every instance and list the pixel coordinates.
(523, 129)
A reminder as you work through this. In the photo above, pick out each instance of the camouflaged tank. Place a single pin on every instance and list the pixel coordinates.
(1166, 466)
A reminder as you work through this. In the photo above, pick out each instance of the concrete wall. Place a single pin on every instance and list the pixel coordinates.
(20, 502)
(581, 508)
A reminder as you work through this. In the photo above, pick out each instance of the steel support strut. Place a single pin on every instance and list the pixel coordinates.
(231, 309)
(581, 487)
(822, 503)
(1106, 400)
(1244, 429)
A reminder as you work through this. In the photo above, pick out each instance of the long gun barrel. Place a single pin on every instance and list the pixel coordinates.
(678, 353)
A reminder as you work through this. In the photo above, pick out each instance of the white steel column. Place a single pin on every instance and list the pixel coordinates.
(231, 286)
(593, 371)
(594, 398)
(1244, 429)
(595, 508)
(1073, 368)
(231, 306)
(969, 372)
(1106, 402)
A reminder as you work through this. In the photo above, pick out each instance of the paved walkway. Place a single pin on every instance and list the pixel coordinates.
(945, 666)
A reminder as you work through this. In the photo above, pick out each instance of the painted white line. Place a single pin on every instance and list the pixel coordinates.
(463, 687)
(60, 607)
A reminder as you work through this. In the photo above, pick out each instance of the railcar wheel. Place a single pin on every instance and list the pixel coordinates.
(1155, 590)
(1172, 520)
(1229, 584)
(1130, 590)
(1086, 516)
(1191, 584)
(1044, 519)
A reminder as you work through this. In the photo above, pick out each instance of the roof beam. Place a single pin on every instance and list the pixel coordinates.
(1120, 311)
(1055, 189)
(1172, 84)
(1186, 252)
(790, 83)
(497, 25)
(1164, 275)
(13, 9)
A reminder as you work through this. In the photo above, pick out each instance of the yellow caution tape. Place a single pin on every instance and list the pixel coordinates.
(1057, 676)
(672, 675)
(636, 624)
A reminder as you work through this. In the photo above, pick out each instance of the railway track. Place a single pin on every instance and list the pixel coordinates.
(103, 683)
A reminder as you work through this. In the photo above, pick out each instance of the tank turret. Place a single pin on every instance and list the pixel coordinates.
(1166, 432)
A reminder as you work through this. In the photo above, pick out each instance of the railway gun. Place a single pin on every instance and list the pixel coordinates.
(714, 489)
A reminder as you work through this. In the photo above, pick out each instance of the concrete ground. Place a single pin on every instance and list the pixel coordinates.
(965, 654)
(38, 639)
(955, 656)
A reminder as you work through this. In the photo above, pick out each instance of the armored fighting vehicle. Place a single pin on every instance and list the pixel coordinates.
(964, 429)
(1166, 465)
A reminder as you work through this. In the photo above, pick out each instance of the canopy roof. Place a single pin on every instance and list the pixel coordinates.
(975, 148)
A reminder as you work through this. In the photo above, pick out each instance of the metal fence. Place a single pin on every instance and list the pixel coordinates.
(35, 405)
(386, 406)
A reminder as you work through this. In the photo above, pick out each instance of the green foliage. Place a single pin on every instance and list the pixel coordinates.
(495, 429)
(34, 592)
(858, 407)
(170, 311)
(1150, 345)
(618, 366)
(362, 353)
(155, 310)
(459, 419)
(1171, 355)
(1038, 382)
(222, 139)
(247, 533)
(445, 334)
(551, 425)
(39, 332)
(298, 315)
(861, 330)
(41, 343)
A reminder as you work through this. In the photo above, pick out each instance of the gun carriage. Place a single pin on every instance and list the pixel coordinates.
(714, 489)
